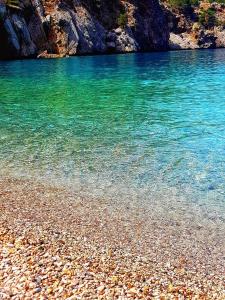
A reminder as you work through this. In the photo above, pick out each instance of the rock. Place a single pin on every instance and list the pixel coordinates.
(27, 47)
(111, 36)
(149, 25)
(181, 41)
(220, 39)
(67, 37)
(45, 54)
(211, 187)
(37, 290)
(37, 4)
(92, 34)
(111, 45)
(48, 19)
(39, 31)
(11, 44)
(133, 291)
(189, 31)
(2, 11)
(84, 27)
(14, 36)
(101, 289)
(79, 27)
(118, 31)
(126, 43)
(206, 39)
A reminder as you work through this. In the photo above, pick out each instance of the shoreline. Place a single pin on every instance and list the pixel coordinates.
(55, 56)
(55, 244)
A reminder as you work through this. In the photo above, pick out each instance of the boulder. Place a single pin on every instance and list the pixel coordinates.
(220, 39)
(125, 42)
(118, 31)
(181, 41)
(45, 54)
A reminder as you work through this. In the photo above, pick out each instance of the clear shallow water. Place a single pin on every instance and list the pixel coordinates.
(135, 125)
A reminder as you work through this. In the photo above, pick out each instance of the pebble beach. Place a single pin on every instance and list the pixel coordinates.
(55, 244)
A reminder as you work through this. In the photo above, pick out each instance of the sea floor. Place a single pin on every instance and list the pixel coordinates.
(56, 244)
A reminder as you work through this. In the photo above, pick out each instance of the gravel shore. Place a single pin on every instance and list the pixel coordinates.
(54, 244)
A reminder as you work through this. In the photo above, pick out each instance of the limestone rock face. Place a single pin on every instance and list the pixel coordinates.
(220, 39)
(15, 39)
(27, 47)
(52, 28)
(189, 30)
(92, 34)
(181, 41)
(150, 28)
(207, 39)
(121, 41)
(58, 28)
(66, 41)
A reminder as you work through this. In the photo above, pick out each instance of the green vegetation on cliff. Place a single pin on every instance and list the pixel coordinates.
(183, 3)
(207, 17)
(122, 20)
(189, 3)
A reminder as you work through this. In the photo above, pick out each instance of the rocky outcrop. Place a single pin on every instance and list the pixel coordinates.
(199, 27)
(181, 41)
(205, 40)
(51, 28)
(220, 39)
(14, 36)
(121, 40)
(58, 28)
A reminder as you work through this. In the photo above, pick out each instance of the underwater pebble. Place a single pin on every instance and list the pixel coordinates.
(52, 246)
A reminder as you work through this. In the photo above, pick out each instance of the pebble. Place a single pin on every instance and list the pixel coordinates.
(45, 254)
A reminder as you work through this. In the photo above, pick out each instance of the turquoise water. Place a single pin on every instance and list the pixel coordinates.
(127, 125)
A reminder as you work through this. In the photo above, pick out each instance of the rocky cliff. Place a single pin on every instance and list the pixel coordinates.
(49, 28)
(196, 26)
(58, 28)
